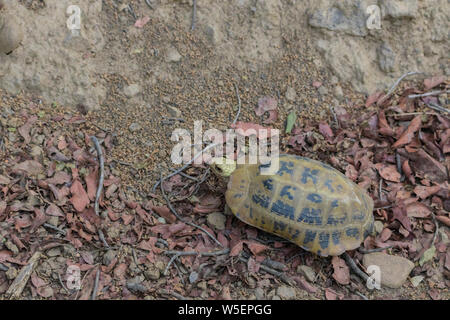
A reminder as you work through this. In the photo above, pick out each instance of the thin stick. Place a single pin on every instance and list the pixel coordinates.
(334, 116)
(186, 175)
(169, 204)
(174, 119)
(149, 4)
(174, 257)
(62, 284)
(435, 231)
(173, 294)
(395, 85)
(436, 107)
(50, 226)
(410, 114)
(195, 253)
(177, 254)
(100, 185)
(432, 93)
(365, 251)
(180, 275)
(131, 11)
(97, 278)
(194, 14)
(271, 271)
(239, 104)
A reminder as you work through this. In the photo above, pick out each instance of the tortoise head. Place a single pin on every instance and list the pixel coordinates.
(223, 167)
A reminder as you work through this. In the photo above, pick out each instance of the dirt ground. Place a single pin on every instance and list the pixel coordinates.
(133, 86)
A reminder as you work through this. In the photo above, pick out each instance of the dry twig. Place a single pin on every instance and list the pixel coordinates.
(100, 185)
(395, 85)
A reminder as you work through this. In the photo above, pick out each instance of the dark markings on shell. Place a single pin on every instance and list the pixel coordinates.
(268, 184)
(310, 216)
(369, 230)
(283, 209)
(328, 185)
(309, 236)
(309, 174)
(295, 234)
(279, 225)
(262, 200)
(352, 232)
(324, 239)
(286, 167)
(334, 221)
(358, 216)
(238, 195)
(336, 237)
(285, 192)
(334, 203)
(314, 197)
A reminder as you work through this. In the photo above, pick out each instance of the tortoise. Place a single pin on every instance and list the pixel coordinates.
(306, 202)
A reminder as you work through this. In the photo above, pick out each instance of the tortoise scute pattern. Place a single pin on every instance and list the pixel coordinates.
(306, 202)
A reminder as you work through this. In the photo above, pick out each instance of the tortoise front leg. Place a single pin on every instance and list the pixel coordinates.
(354, 267)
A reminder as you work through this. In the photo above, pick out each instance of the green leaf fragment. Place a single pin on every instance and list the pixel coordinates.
(427, 255)
(290, 121)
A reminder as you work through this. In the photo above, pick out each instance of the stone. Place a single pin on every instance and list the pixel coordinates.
(338, 92)
(36, 152)
(259, 293)
(135, 284)
(108, 257)
(162, 220)
(160, 265)
(416, 280)
(12, 247)
(216, 220)
(11, 273)
(323, 90)
(290, 94)
(134, 127)
(152, 273)
(378, 226)
(132, 90)
(400, 8)
(335, 18)
(308, 272)
(54, 252)
(11, 33)
(202, 285)
(53, 220)
(174, 112)
(276, 297)
(386, 58)
(173, 55)
(286, 293)
(394, 270)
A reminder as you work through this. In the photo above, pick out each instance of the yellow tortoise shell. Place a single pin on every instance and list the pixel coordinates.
(306, 202)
